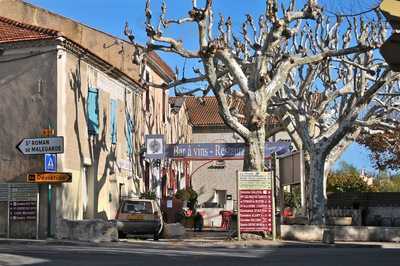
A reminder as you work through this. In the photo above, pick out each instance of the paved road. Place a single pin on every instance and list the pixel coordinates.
(148, 254)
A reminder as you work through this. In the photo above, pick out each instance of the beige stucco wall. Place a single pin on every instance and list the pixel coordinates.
(208, 179)
(175, 127)
(28, 104)
(103, 160)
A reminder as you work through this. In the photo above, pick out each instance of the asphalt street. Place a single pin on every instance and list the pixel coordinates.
(147, 254)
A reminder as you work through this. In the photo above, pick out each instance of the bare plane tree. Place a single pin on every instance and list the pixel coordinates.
(326, 106)
(255, 64)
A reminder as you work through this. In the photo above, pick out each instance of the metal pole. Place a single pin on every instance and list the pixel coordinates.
(37, 215)
(238, 204)
(8, 211)
(273, 210)
(48, 210)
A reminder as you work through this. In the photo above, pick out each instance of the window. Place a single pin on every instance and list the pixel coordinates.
(220, 198)
(93, 111)
(138, 207)
(113, 119)
(128, 133)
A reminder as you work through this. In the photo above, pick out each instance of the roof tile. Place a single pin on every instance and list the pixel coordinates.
(206, 113)
(14, 31)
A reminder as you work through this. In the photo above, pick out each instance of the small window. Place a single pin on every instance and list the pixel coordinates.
(113, 120)
(93, 111)
(144, 207)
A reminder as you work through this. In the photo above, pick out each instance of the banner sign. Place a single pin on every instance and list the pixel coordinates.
(221, 150)
(255, 202)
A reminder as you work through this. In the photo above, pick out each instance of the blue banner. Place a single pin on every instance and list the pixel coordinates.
(221, 150)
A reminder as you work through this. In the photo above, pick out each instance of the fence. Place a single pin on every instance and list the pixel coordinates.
(19, 207)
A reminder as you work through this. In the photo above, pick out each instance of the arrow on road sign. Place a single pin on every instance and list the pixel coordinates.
(49, 178)
(34, 146)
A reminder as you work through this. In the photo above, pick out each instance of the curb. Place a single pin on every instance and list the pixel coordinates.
(203, 244)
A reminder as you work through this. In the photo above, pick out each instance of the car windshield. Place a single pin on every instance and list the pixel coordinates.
(138, 207)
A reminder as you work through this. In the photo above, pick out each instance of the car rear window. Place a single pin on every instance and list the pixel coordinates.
(137, 207)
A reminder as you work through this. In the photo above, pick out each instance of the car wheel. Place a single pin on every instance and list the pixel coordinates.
(156, 236)
(121, 234)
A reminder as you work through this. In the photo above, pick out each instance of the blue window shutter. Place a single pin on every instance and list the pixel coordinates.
(128, 133)
(93, 111)
(113, 119)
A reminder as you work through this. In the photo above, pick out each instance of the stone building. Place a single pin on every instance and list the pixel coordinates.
(57, 73)
(214, 179)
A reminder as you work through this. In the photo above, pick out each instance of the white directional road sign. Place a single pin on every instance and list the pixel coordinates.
(41, 145)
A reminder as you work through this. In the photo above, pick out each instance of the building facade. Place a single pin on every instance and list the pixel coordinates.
(214, 179)
(74, 81)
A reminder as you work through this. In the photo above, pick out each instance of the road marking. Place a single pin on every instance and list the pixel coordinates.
(16, 260)
(219, 252)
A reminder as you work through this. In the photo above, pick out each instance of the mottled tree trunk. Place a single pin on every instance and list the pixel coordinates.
(254, 151)
(317, 197)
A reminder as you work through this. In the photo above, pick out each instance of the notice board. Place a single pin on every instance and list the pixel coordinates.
(256, 203)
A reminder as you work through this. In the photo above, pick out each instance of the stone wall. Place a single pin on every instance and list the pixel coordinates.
(342, 233)
(87, 230)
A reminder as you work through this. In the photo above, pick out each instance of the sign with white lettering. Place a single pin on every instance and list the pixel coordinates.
(23, 210)
(221, 150)
(49, 178)
(35, 146)
(255, 202)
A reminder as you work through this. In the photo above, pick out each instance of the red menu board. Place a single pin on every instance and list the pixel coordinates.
(255, 202)
(255, 210)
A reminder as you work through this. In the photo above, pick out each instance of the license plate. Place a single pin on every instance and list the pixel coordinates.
(136, 217)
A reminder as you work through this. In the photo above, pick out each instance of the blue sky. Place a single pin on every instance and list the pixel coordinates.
(110, 16)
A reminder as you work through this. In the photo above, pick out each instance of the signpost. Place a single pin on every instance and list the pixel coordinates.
(154, 146)
(49, 178)
(49, 146)
(34, 146)
(256, 210)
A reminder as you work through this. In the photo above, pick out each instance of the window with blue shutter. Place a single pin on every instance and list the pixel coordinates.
(93, 111)
(128, 133)
(113, 119)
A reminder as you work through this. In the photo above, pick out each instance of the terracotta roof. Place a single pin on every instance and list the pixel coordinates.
(204, 114)
(14, 31)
